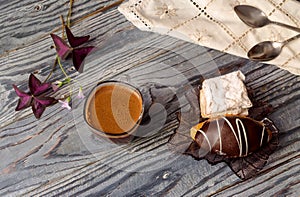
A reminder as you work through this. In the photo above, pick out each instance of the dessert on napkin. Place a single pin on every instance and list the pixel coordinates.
(214, 24)
(224, 95)
(228, 135)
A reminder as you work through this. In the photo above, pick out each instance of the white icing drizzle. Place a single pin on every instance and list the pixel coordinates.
(220, 137)
(237, 121)
(240, 128)
(262, 136)
(238, 139)
(205, 136)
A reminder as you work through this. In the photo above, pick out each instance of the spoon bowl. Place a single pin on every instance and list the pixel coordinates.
(256, 18)
(268, 50)
(265, 51)
(252, 16)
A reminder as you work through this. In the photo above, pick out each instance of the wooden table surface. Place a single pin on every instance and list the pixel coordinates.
(58, 155)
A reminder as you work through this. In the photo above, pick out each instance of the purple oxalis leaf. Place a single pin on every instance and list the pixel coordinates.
(24, 100)
(75, 41)
(46, 101)
(78, 56)
(37, 108)
(36, 87)
(62, 48)
(39, 105)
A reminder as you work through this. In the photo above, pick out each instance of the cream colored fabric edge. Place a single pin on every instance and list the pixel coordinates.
(129, 14)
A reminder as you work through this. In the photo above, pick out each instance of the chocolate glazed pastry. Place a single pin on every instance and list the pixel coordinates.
(242, 142)
(245, 149)
(231, 136)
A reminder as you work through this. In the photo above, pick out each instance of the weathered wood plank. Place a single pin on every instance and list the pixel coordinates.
(27, 22)
(53, 156)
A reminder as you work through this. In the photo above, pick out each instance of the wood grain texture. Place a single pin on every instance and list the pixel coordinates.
(58, 155)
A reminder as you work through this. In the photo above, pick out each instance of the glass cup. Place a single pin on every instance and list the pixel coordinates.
(114, 110)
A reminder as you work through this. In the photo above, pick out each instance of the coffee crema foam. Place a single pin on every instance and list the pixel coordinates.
(114, 108)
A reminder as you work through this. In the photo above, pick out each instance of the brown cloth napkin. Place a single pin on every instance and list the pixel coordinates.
(214, 24)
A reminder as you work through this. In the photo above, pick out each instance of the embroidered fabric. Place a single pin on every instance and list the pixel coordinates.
(214, 24)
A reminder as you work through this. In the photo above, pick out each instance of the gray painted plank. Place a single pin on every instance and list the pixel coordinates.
(57, 155)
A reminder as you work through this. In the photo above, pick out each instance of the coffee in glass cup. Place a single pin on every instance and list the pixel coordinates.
(114, 110)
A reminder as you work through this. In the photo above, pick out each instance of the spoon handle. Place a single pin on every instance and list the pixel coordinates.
(291, 39)
(286, 26)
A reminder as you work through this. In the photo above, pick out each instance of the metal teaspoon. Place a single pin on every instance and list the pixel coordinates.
(256, 18)
(268, 50)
